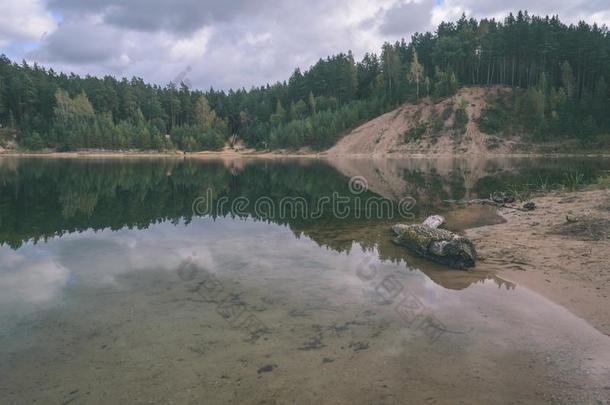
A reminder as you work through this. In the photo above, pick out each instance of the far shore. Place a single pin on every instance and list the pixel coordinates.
(224, 154)
(251, 153)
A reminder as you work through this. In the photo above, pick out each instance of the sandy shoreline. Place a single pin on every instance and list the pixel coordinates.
(225, 154)
(249, 154)
(560, 250)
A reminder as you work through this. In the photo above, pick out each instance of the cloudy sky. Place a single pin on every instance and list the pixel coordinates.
(225, 43)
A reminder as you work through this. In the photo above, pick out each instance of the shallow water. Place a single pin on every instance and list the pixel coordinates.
(113, 291)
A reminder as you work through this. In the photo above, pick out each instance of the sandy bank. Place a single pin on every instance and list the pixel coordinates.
(560, 250)
(251, 153)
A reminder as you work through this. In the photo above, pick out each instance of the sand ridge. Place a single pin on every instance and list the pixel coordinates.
(386, 134)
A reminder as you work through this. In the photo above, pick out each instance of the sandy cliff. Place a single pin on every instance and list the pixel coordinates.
(393, 132)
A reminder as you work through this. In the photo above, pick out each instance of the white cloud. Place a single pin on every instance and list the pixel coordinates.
(193, 46)
(24, 20)
(36, 281)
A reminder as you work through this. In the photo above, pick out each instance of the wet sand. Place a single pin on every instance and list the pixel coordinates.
(556, 251)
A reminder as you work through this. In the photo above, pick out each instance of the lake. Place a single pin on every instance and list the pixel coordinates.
(273, 281)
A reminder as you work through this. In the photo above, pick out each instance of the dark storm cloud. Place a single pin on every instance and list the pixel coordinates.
(233, 43)
(79, 42)
(179, 16)
(405, 17)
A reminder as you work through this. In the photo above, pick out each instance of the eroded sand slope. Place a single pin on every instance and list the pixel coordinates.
(386, 134)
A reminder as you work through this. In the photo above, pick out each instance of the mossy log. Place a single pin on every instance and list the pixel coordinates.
(439, 245)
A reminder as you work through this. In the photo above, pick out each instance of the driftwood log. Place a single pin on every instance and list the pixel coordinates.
(439, 245)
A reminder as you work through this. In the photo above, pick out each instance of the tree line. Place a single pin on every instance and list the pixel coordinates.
(559, 71)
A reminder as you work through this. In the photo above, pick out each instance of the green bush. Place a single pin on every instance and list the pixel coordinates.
(30, 141)
(461, 118)
(194, 138)
(436, 123)
(446, 84)
(416, 131)
(574, 179)
(492, 120)
(447, 111)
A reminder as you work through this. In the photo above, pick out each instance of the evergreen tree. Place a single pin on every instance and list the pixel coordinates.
(416, 72)
(205, 117)
(280, 114)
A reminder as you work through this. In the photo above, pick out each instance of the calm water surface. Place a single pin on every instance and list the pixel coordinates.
(112, 290)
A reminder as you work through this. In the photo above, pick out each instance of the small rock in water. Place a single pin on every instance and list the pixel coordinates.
(359, 346)
(267, 368)
(529, 206)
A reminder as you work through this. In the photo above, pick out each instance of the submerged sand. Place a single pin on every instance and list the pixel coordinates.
(151, 334)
